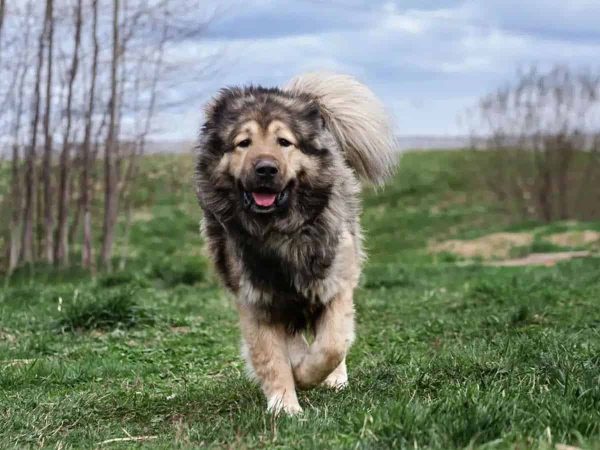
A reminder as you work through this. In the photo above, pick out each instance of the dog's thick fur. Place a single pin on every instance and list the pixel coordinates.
(278, 180)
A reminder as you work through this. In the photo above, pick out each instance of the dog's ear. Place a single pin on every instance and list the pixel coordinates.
(209, 109)
(313, 114)
(215, 107)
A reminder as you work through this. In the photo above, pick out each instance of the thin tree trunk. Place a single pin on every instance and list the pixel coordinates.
(21, 71)
(110, 178)
(75, 196)
(139, 149)
(16, 181)
(13, 253)
(61, 250)
(38, 224)
(73, 189)
(47, 160)
(87, 259)
(30, 172)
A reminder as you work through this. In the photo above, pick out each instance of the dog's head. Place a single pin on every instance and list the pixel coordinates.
(266, 159)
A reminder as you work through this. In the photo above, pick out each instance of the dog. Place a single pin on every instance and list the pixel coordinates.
(278, 176)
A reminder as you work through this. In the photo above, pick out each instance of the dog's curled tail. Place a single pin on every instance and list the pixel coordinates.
(356, 118)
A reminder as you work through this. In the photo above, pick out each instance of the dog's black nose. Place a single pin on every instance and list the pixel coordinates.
(265, 168)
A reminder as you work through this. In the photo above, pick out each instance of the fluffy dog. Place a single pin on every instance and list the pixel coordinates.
(278, 181)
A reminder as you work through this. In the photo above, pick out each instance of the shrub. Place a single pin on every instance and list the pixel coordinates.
(104, 310)
(542, 136)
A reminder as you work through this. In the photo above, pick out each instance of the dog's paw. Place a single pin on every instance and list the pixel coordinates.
(338, 380)
(278, 404)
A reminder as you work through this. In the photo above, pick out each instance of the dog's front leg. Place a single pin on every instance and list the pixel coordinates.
(266, 348)
(334, 333)
(298, 348)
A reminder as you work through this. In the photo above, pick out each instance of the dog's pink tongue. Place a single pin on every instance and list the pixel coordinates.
(264, 199)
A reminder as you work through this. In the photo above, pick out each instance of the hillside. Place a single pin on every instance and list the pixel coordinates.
(451, 351)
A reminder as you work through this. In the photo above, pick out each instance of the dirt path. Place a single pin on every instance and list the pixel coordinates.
(539, 259)
(496, 249)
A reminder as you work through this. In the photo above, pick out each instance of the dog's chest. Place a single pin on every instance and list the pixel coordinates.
(286, 273)
(286, 288)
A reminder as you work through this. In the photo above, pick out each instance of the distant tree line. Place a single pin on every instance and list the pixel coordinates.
(78, 93)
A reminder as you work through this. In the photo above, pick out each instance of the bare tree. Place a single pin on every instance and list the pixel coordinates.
(110, 176)
(86, 253)
(140, 144)
(543, 132)
(100, 99)
(16, 181)
(61, 251)
(27, 254)
(47, 159)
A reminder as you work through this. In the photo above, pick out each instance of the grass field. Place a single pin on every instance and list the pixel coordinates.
(449, 354)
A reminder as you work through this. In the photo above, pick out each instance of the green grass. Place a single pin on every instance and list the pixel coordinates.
(447, 355)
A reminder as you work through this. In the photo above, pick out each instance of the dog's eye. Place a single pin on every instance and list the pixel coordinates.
(245, 143)
(284, 142)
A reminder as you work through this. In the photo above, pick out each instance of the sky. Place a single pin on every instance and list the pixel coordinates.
(429, 61)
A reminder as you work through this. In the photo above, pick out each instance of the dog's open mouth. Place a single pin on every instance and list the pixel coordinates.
(265, 201)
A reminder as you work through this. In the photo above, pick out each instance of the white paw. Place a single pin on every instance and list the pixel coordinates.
(337, 380)
(278, 404)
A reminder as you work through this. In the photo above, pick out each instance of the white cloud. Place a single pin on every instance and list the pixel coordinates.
(429, 60)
